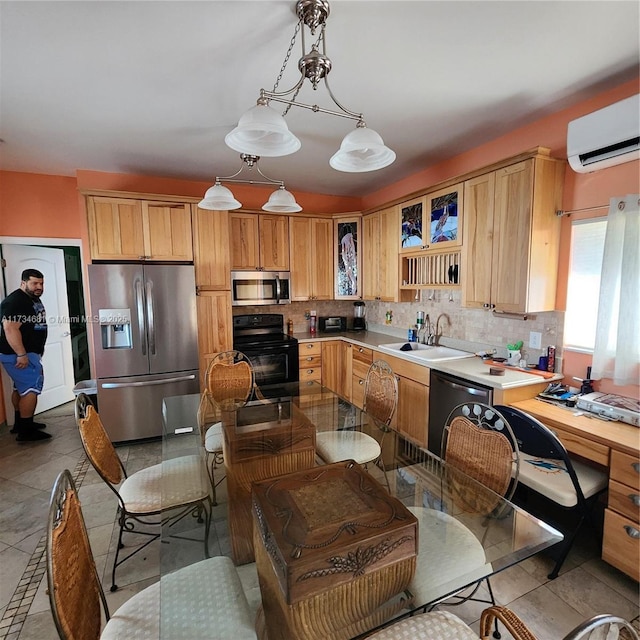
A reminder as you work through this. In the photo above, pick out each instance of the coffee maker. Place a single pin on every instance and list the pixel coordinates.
(359, 323)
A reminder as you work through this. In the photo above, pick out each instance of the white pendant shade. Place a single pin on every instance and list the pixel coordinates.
(219, 198)
(282, 201)
(362, 150)
(262, 131)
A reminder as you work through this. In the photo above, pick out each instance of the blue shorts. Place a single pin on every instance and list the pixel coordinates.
(27, 380)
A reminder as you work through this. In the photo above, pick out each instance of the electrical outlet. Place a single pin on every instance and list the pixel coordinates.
(535, 340)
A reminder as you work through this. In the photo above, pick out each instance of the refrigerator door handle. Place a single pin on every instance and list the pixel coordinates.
(150, 320)
(123, 385)
(140, 307)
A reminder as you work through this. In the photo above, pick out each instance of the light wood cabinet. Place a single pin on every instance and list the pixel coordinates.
(380, 255)
(259, 242)
(511, 236)
(131, 229)
(336, 367)
(310, 361)
(433, 221)
(621, 539)
(361, 359)
(311, 258)
(211, 249)
(215, 324)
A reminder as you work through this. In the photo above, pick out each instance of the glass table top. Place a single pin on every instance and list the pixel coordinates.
(465, 531)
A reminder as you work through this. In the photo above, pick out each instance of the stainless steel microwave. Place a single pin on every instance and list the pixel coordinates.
(251, 288)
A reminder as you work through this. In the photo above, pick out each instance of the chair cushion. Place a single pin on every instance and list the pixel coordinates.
(463, 555)
(336, 446)
(203, 600)
(440, 625)
(213, 438)
(166, 485)
(550, 478)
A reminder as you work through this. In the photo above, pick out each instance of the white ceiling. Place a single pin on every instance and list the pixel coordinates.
(153, 87)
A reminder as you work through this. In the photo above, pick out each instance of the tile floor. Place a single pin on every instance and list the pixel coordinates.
(586, 585)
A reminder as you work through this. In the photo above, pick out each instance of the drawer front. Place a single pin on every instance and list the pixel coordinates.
(310, 373)
(305, 348)
(360, 369)
(625, 469)
(307, 360)
(624, 500)
(619, 546)
(357, 391)
(413, 371)
(362, 354)
(582, 447)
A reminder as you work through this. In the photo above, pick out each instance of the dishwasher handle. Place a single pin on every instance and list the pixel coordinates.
(470, 390)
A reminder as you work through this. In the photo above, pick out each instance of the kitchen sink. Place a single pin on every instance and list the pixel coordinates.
(425, 352)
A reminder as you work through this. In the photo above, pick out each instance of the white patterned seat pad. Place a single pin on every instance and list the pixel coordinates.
(213, 438)
(436, 625)
(203, 600)
(447, 551)
(166, 485)
(336, 446)
(550, 478)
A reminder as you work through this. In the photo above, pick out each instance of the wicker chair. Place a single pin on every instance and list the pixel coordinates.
(77, 598)
(162, 494)
(380, 402)
(477, 440)
(446, 626)
(229, 382)
(547, 469)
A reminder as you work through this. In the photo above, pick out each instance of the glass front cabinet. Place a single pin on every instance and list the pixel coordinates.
(432, 222)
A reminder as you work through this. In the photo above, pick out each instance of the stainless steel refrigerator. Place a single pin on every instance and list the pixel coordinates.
(145, 342)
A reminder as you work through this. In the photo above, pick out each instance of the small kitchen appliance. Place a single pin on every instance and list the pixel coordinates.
(359, 323)
(332, 323)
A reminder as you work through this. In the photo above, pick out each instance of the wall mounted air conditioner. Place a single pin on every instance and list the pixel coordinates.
(605, 137)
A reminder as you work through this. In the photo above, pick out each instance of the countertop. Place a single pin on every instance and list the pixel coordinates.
(472, 369)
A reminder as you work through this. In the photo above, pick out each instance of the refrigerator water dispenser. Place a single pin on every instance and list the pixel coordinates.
(115, 326)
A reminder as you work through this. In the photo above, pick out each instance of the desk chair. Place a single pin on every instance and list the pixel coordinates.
(162, 494)
(380, 402)
(446, 626)
(547, 469)
(477, 440)
(229, 382)
(77, 598)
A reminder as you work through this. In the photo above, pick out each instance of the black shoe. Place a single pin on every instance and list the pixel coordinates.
(31, 435)
(37, 425)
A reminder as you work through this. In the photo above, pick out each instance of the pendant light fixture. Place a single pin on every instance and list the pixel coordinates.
(262, 131)
(219, 198)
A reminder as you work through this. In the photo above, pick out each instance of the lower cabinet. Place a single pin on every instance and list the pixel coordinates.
(621, 538)
(361, 359)
(336, 367)
(310, 361)
(213, 310)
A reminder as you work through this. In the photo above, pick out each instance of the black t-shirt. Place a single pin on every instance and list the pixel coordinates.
(21, 307)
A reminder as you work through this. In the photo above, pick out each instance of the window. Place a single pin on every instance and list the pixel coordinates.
(587, 246)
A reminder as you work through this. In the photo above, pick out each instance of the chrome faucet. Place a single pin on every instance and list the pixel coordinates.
(438, 335)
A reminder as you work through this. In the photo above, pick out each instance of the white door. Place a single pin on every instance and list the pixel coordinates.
(58, 355)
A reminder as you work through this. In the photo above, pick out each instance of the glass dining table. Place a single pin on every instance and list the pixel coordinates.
(465, 532)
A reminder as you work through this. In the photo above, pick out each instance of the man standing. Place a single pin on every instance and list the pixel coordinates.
(22, 339)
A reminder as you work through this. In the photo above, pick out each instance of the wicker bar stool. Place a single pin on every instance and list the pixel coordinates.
(380, 402)
(162, 494)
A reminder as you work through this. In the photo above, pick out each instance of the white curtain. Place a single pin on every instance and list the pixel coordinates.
(617, 349)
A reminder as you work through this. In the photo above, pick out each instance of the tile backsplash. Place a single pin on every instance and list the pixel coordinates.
(478, 328)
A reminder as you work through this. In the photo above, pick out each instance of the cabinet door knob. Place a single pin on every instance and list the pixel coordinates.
(309, 358)
(360, 382)
(309, 371)
(636, 467)
(635, 498)
(309, 346)
(632, 532)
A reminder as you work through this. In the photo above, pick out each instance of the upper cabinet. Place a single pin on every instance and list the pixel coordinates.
(259, 242)
(432, 222)
(380, 255)
(130, 229)
(511, 236)
(211, 249)
(311, 248)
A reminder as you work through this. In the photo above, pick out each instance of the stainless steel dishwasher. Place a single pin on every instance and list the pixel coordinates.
(445, 393)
